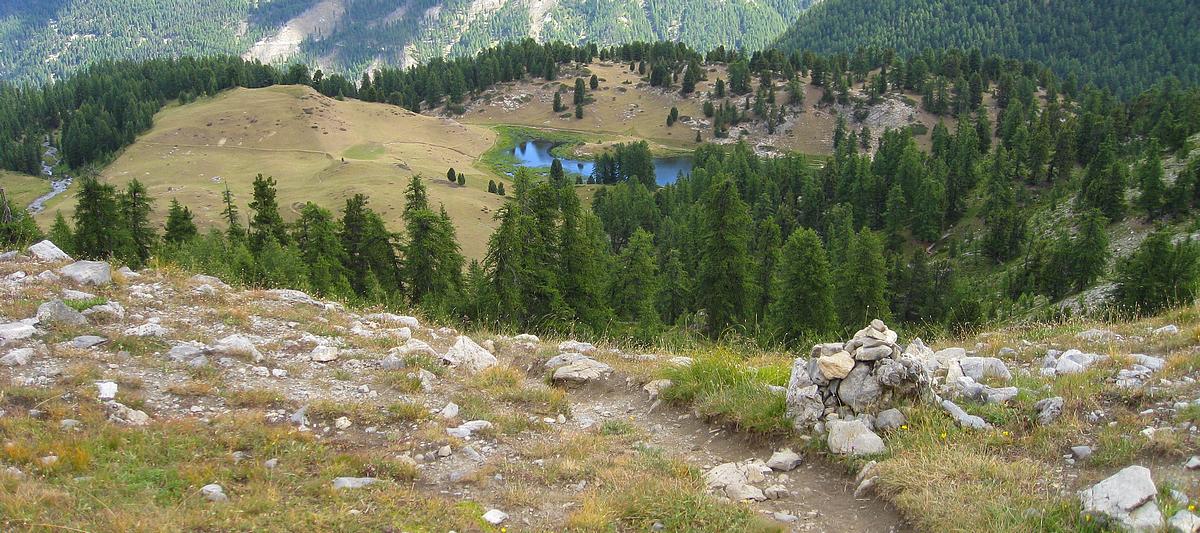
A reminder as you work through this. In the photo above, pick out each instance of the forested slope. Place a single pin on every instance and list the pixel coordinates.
(1125, 45)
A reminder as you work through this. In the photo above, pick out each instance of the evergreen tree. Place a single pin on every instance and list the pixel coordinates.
(865, 298)
(583, 263)
(558, 105)
(1159, 274)
(724, 240)
(580, 95)
(635, 282)
(1103, 184)
(594, 83)
(674, 295)
(233, 223)
(266, 224)
(180, 227)
(1005, 224)
(135, 205)
(579, 111)
(1152, 198)
(557, 176)
(462, 179)
(802, 289)
(99, 231)
(61, 234)
(492, 186)
(1089, 254)
(370, 252)
(451, 175)
(765, 246)
(316, 238)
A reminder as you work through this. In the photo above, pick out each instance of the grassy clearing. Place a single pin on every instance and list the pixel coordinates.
(21, 189)
(110, 478)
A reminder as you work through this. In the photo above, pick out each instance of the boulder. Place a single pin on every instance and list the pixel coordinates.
(323, 354)
(735, 480)
(211, 281)
(803, 398)
(981, 368)
(853, 437)
(57, 313)
(963, 418)
(466, 429)
(122, 414)
(15, 331)
(495, 517)
(1127, 499)
(979, 392)
(835, 366)
(233, 346)
(825, 349)
(874, 353)
(1097, 335)
(149, 329)
(917, 349)
(563, 359)
(95, 273)
(1049, 409)
(213, 493)
(414, 347)
(47, 251)
(18, 357)
(656, 387)
(111, 310)
(860, 390)
(186, 351)
(84, 342)
(1184, 522)
(581, 371)
(890, 420)
(468, 355)
(391, 362)
(1169, 329)
(784, 460)
(905, 373)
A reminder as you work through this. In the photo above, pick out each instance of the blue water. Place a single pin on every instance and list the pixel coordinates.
(536, 154)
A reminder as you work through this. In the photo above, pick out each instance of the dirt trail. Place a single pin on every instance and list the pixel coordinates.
(821, 496)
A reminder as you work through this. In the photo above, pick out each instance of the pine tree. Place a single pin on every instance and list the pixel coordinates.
(802, 289)
(765, 249)
(583, 263)
(61, 234)
(266, 224)
(594, 83)
(451, 175)
(370, 252)
(865, 298)
(557, 176)
(135, 206)
(580, 95)
(724, 239)
(578, 111)
(462, 179)
(1159, 274)
(416, 197)
(1005, 225)
(675, 288)
(316, 238)
(180, 227)
(1089, 253)
(1103, 184)
(635, 281)
(492, 186)
(1150, 179)
(558, 105)
(233, 223)
(99, 231)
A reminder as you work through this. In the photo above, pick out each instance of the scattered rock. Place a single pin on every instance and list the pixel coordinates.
(577, 347)
(735, 480)
(47, 251)
(784, 460)
(84, 342)
(213, 493)
(18, 357)
(860, 390)
(107, 390)
(391, 362)
(853, 437)
(1049, 410)
(1169, 329)
(15, 331)
(1184, 522)
(449, 411)
(57, 313)
(495, 517)
(464, 430)
(1081, 452)
(122, 414)
(1193, 463)
(963, 418)
(1127, 498)
(234, 346)
(342, 423)
(1097, 335)
(324, 354)
(581, 371)
(776, 492)
(981, 368)
(96, 273)
(149, 329)
(890, 420)
(468, 355)
(655, 388)
(352, 482)
(414, 347)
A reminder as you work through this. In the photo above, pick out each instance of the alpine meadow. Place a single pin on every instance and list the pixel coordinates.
(548, 265)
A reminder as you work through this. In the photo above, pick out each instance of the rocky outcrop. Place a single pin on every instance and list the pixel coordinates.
(468, 355)
(95, 273)
(47, 251)
(1128, 499)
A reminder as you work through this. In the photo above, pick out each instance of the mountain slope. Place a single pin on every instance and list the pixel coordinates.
(46, 40)
(1125, 45)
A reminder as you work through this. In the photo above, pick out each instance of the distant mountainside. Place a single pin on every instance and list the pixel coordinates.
(48, 38)
(1125, 45)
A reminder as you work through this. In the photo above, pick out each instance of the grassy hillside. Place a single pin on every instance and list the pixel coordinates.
(319, 149)
(1126, 45)
(22, 189)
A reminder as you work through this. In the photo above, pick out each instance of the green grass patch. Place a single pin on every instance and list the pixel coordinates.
(367, 151)
(84, 304)
(719, 385)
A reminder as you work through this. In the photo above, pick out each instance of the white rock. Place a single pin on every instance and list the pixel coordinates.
(149, 329)
(582, 371)
(468, 355)
(1184, 522)
(47, 251)
(527, 337)
(577, 347)
(18, 357)
(852, 437)
(213, 493)
(980, 368)
(784, 460)
(449, 411)
(1127, 498)
(836, 366)
(563, 359)
(324, 354)
(352, 482)
(107, 390)
(656, 387)
(464, 430)
(236, 346)
(1097, 335)
(95, 273)
(342, 423)
(122, 414)
(15, 331)
(1169, 329)
(414, 347)
(495, 517)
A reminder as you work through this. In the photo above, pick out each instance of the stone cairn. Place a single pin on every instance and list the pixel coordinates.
(857, 378)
